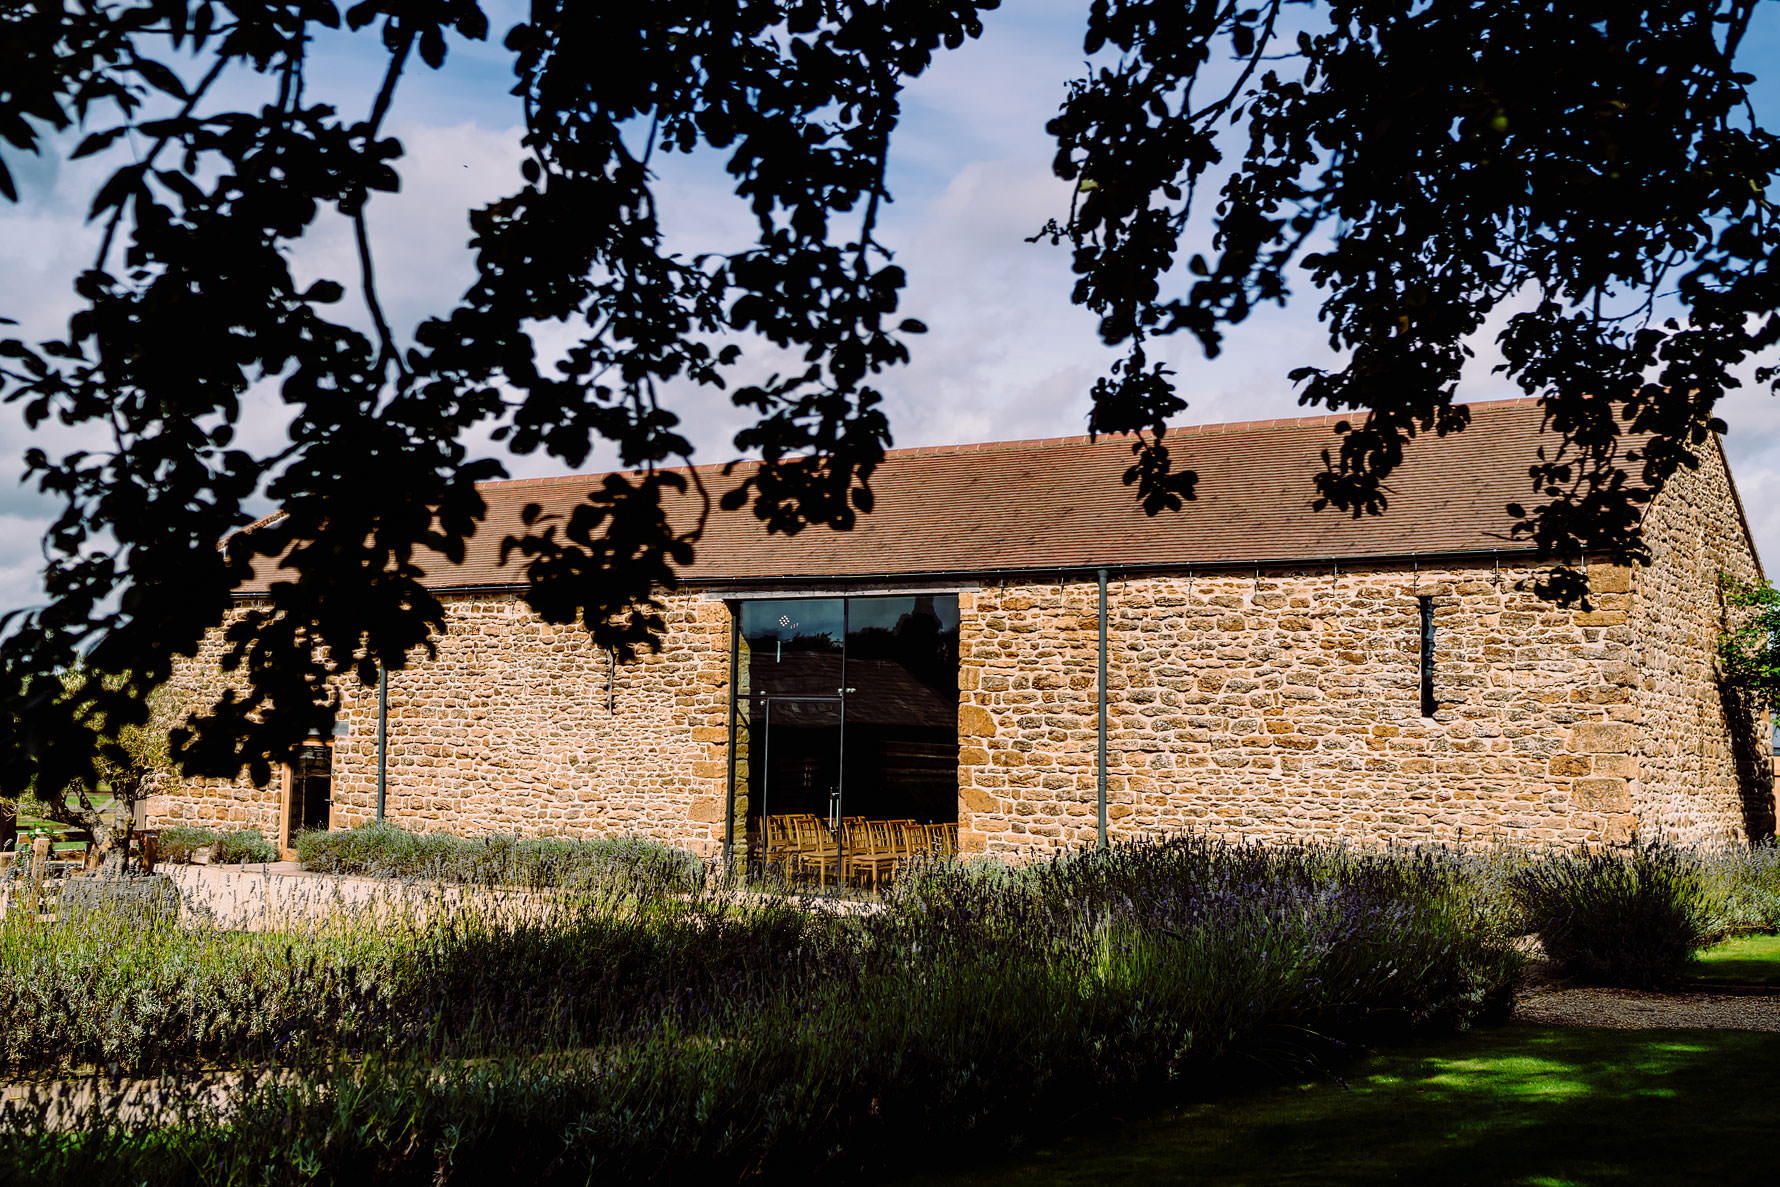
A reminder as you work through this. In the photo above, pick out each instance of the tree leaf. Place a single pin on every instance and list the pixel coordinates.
(97, 142)
(158, 76)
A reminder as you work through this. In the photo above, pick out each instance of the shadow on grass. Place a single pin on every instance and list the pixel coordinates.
(1521, 1105)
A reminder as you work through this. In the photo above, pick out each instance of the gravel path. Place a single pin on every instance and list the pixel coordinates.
(1634, 1009)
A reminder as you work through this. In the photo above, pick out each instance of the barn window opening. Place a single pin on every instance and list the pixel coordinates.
(1429, 704)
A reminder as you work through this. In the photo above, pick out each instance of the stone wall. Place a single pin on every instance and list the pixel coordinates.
(1272, 705)
(522, 727)
(1694, 745)
(196, 683)
(1286, 705)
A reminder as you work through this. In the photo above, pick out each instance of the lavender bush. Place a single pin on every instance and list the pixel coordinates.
(385, 850)
(718, 1033)
(1743, 882)
(176, 844)
(241, 846)
(1632, 917)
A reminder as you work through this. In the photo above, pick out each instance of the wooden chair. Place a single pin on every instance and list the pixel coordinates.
(858, 847)
(876, 853)
(145, 846)
(816, 849)
(779, 842)
(41, 853)
(908, 840)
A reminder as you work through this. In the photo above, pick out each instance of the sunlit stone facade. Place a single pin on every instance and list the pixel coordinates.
(1268, 703)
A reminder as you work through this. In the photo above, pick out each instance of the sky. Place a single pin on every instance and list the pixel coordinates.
(1007, 355)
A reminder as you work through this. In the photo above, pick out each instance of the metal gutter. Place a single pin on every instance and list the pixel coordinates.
(842, 582)
(1086, 568)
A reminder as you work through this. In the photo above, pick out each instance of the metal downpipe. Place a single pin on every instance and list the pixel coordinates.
(735, 659)
(382, 738)
(1100, 684)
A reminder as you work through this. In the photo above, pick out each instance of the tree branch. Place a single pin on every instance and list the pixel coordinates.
(387, 351)
(191, 103)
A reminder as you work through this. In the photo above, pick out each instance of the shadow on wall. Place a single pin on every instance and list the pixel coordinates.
(1753, 750)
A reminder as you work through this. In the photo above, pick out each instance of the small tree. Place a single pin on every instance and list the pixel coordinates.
(1749, 649)
(127, 769)
(1749, 687)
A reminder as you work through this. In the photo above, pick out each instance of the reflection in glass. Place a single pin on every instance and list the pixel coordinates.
(848, 707)
(792, 651)
(902, 709)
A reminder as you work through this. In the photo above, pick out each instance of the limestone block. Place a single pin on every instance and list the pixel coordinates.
(1600, 737)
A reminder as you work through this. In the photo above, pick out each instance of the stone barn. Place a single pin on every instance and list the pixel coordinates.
(1009, 644)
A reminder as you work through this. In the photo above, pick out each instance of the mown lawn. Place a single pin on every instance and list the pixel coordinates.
(1540, 1106)
(1747, 960)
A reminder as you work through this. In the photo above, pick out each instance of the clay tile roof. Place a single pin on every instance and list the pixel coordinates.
(1060, 504)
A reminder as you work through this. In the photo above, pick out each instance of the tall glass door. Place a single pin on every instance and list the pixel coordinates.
(847, 712)
(311, 794)
(902, 708)
(800, 759)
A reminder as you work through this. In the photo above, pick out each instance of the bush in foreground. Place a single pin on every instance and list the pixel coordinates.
(717, 1035)
(1631, 917)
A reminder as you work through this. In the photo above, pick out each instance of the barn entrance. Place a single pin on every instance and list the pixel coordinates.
(847, 732)
(308, 794)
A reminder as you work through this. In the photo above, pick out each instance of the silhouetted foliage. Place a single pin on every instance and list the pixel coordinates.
(1427, 162)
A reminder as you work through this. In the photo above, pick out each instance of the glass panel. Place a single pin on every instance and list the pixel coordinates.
(311, 789)
(902, 709)
(800, 761)
(793, 647)
(845, 699)
(789, 710)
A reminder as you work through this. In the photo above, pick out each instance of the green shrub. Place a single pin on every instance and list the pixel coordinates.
(177, 843)
(242, 845)
(717, 1035)
(1621, 917)
(379, 849)
(385, 850)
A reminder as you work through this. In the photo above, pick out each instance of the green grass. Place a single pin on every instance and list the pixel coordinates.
(27, 823)
(1747, 960)
(1526, 1105)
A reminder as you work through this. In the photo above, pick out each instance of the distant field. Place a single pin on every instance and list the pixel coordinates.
(28, 822)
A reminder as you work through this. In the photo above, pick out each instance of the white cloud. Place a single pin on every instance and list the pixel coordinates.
(1007, 356)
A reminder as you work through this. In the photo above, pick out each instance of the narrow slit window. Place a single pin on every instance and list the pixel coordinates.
(1427, 657)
